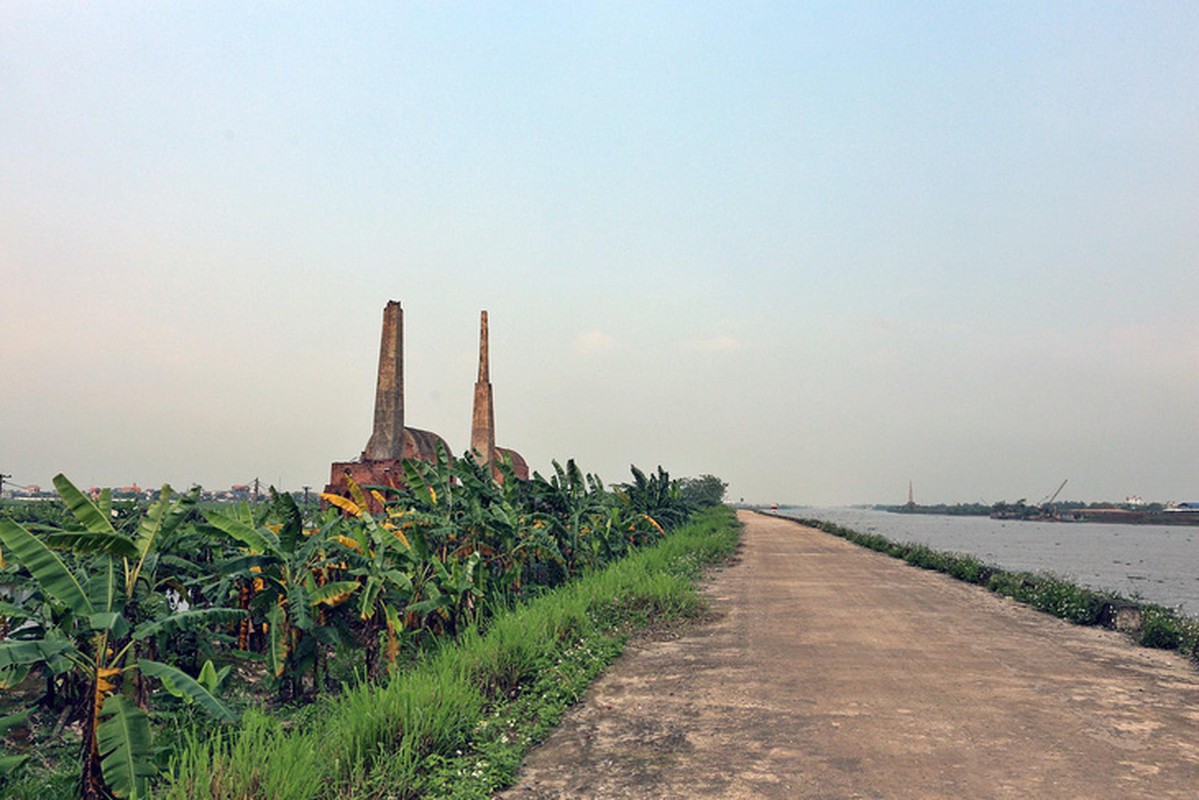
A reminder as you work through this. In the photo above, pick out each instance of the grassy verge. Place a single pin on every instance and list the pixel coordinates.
(1149, 624)
(458, 724)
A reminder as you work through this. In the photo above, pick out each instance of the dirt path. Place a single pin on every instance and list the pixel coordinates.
(835, 672)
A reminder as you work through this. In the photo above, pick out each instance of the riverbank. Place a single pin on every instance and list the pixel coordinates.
(1148, 624)
(1153, 564)
(1123, 516)
(834, 671)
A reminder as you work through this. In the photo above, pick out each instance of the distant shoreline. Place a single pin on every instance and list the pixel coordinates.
(1116, 516)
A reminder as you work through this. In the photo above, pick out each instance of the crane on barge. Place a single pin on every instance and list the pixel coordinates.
(1048, 499)
(1048, 510)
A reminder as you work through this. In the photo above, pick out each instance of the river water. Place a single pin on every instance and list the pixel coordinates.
(1159, 564)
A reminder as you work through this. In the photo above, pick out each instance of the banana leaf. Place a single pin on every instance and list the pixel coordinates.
(101, 587)
(10, 764)
(183, 620)
(22, 652)
(12, 720)
(185, 687)
(210, 678)
(183, 565)
(333, 593)
(257, 539)
(83, 509)
(125, 747)
(299, 611)
(416, 483)
(12, 675)
(366, 600)
(105, 503)
(14, 612)
(293, 520)
(241, 564)
(399, 579)
(114, 544)
(368, 520)
(345, 504)
(279, 641)
(46, 567)
(436, 600)
(111, 621)
(163, 517)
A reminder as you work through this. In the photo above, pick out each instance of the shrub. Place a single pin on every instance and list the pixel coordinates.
(1159, 628)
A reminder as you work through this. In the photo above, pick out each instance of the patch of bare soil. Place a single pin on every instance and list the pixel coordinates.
(828, 671)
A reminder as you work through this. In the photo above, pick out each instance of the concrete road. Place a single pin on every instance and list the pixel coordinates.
(831, 671)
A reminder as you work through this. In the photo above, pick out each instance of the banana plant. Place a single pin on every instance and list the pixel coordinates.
(516, 533)
(92, 634)
(451, 592)
(488, 517)
(285, 563)
(462, 542)
(576, 506)
(473, 528)
(657, 498)
(380, 555)
(429, 498)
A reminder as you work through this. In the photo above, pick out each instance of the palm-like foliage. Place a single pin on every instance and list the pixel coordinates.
(657, 497)
(572, 506)
(287, 569)
(379, 557)
(92, 622)
(122, 606)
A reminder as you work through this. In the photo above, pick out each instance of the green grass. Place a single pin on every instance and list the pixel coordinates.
(1160, 627)
(457, 724)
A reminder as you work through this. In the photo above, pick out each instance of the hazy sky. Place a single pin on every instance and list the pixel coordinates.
(818, 249)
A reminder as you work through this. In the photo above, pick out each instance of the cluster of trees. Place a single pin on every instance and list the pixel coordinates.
(706, 490)
(954, 510)
(1020, 509)
(118, 614)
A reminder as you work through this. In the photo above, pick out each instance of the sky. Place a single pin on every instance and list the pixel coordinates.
(817, 249)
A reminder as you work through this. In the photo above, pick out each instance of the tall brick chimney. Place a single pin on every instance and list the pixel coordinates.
(482, 428)
(387, 438)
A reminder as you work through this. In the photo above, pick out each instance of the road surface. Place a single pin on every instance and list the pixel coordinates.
(830, 671)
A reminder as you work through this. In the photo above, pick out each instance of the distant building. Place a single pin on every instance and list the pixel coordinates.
(391, 441)
(482, 429)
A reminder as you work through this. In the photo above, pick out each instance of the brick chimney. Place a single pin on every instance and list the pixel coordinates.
(482, 429)
(387, 438)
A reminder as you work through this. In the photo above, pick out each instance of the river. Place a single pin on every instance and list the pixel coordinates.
(1159, 564)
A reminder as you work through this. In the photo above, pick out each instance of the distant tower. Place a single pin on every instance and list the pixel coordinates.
(482, 427)
(391, 441)
(911, 501)
(387, 438)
